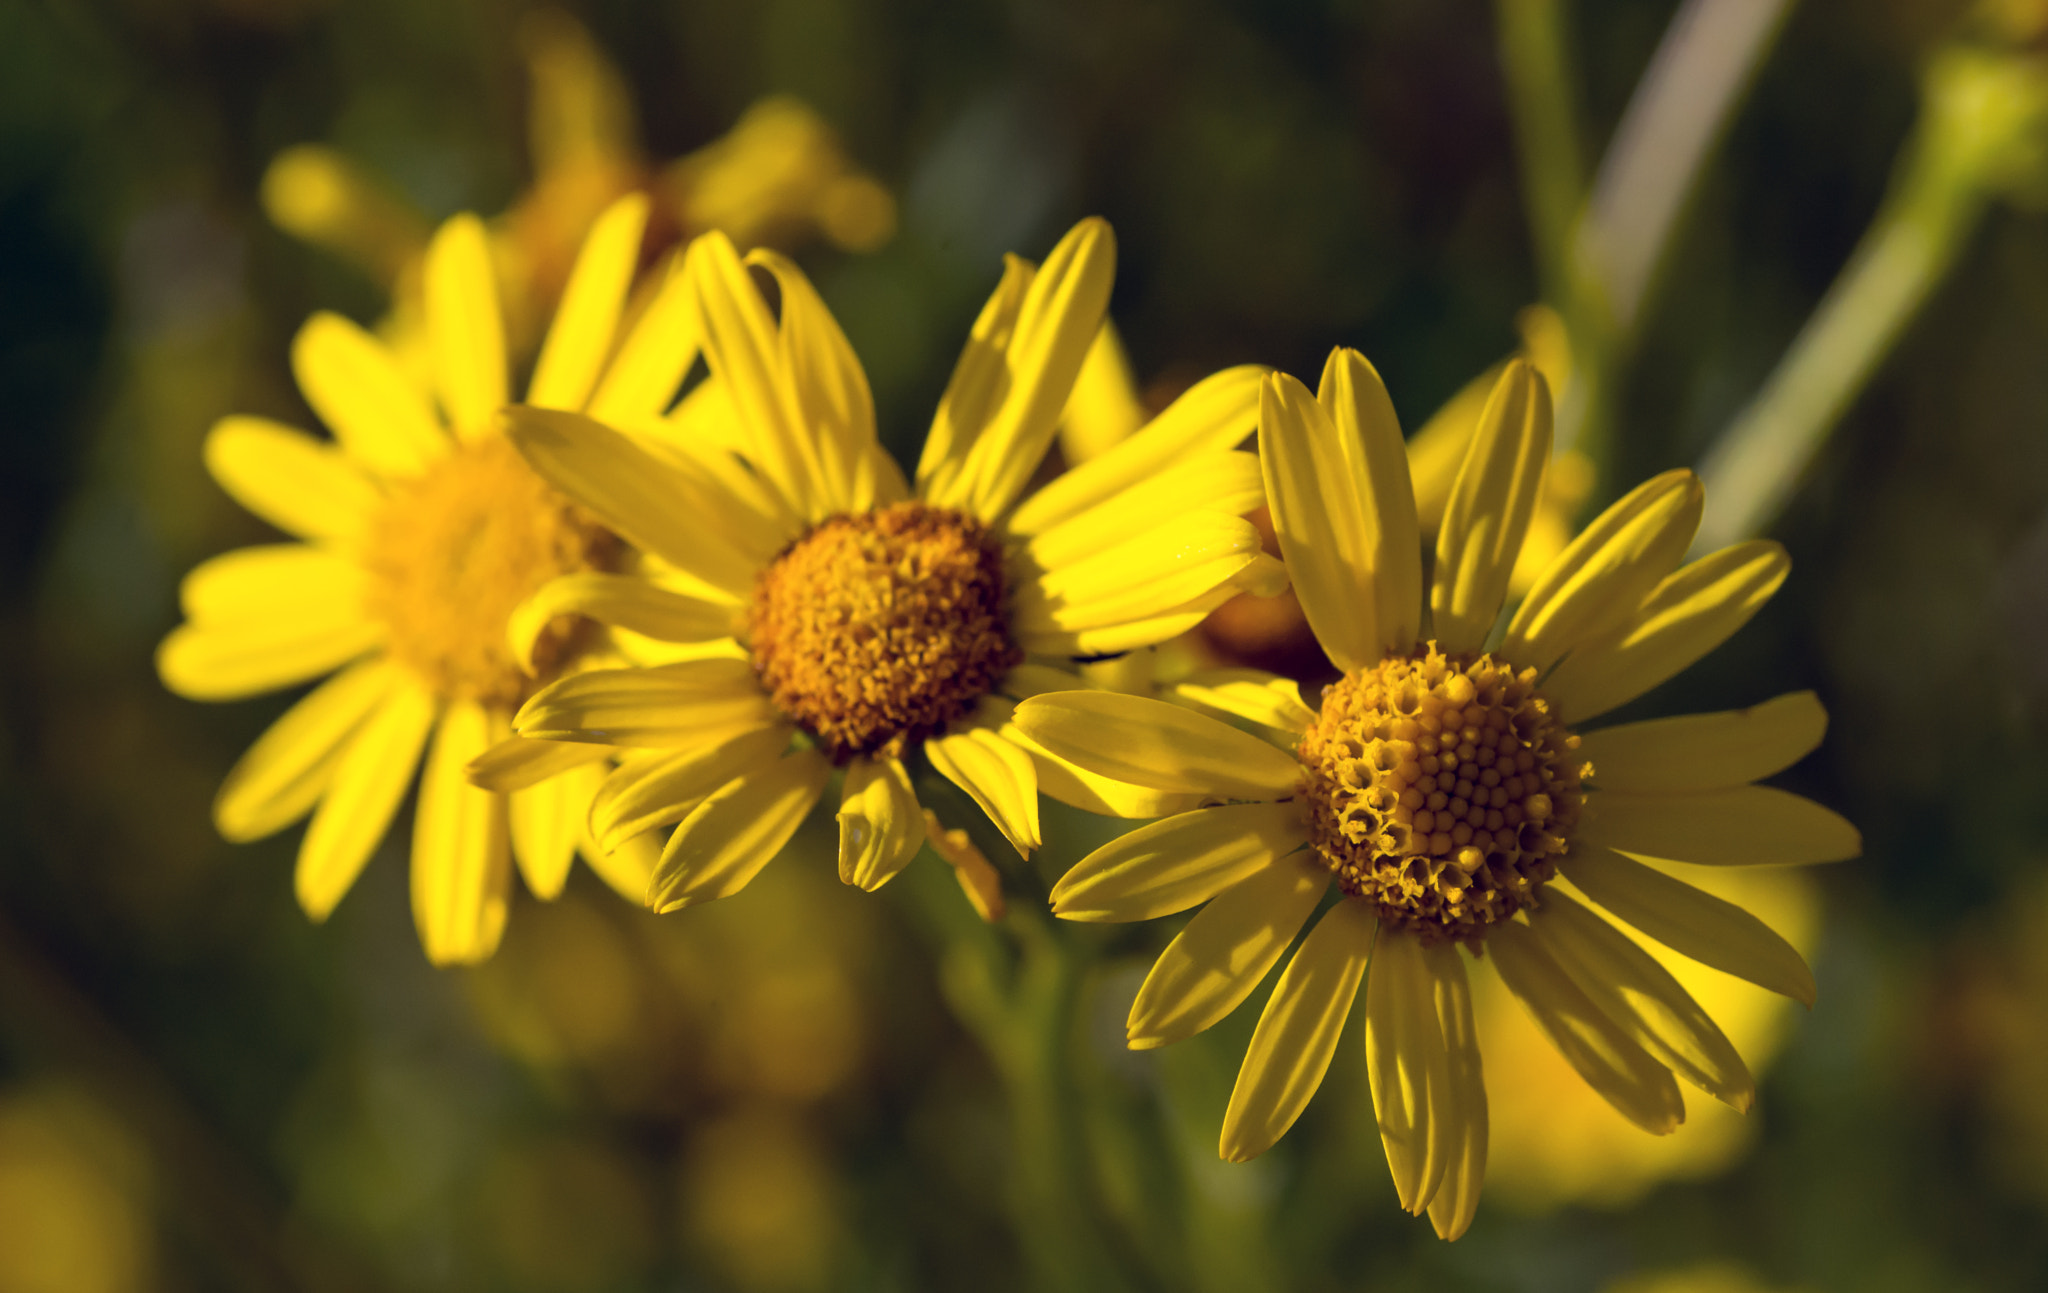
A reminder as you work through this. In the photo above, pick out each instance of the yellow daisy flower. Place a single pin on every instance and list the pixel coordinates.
(872, 618)
(780, 176)
(421, 531)
(1447, 791)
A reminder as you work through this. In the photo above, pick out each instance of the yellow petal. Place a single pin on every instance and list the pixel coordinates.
(1602, 576)
(1437, 451)
(1297, 1034)
(1490, 507)
(1351, 394)
(228, 662)
(1213, 964)
(832, 390)
(585, 322)
(705, 440)
(744, 350)
(881, 826)
(979, 380)
(1142, 576)
(1684, 617)
(465, 326)
(1640, 1088)
(1151, 743)
(1408, 1065)
(303, 486)
(1692, 922)
(371, 776)
(629, 868)
(1641, 997)
(1225, 483)
(461, 858)
(358, 390)
(283, 775)
(996, 775)
(1214, 415)
(1130, 619)
(647, 793)
(1706, 751)
(1342, 513)
(654, 504)
(1079, 788)
(273, 581)
(516, 763)
(727, 839)
(1104, 409)
(1056, 323)
(621, 601)
(642, 379)
(1745, 826)
(671, 705)
(1250, 694)
(547, 825)
(1457, 1198)
(1170, 865)
(980, 883)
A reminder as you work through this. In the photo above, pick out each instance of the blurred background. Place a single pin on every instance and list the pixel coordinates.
(199, 1089)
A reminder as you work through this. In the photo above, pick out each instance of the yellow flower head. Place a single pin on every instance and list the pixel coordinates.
(1448, 791)
(421, 530)
(779, 177)
(866, 619)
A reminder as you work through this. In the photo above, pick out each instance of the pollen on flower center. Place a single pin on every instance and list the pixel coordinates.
(876, 630)
(453, 553)
(1441, 789)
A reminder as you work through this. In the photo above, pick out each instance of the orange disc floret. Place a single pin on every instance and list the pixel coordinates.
(879, 629)
(1442, 789)
(454, 552)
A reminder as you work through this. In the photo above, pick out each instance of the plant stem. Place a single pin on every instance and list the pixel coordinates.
(1544, 111)
(1680, 109)
(1018, 996)
(1978, 111)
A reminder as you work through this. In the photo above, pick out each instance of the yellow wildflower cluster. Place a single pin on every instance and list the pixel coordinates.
(655, 620)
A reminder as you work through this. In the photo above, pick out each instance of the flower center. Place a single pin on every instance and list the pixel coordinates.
(1441, 789)
(455, 551)
(877, 630)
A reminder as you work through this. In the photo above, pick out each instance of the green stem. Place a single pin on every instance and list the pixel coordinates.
(1544, 110)
(1679, 110)
(1983, 112)
(1018, 996)
(1752, 471)
(1543, 103)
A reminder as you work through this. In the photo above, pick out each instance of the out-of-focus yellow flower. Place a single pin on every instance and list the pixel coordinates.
(568, 990)
(759, 1198)
(1453, 797)
(1555, 1141)
(73, 1188)
(866, 619)
(422, 530)
(779, 177)
(762, 1001)
(1713, 1277)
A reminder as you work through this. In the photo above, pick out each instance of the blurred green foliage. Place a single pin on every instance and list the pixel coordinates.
(773, 1094)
